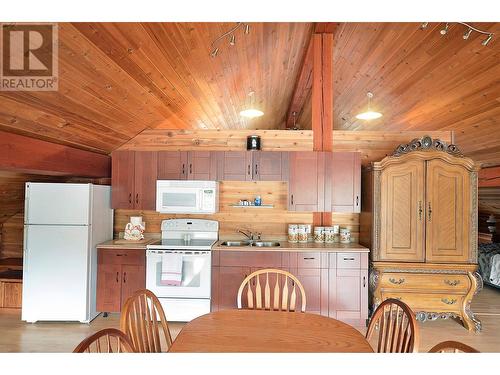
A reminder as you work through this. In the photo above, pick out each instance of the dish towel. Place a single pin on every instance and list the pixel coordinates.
(495, 270)
(171, 269)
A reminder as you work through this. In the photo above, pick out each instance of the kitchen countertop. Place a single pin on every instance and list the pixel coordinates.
(125, 244)
(288, 246)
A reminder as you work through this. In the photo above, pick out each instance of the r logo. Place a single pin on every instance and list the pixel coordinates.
(29, 57)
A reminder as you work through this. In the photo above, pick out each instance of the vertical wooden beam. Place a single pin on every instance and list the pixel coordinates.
(322, 103)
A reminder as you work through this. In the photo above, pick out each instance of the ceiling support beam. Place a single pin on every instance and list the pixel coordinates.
(29, 155)
(489, 177)
(322, 103)
(304, 82)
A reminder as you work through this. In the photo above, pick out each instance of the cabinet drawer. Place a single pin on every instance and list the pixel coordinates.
(428, 302)
(115, 256)
(308, 260)
(259, 259)
(348, 260)
(419, 281)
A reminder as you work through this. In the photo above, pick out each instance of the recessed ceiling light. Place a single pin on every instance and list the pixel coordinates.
(251, 113)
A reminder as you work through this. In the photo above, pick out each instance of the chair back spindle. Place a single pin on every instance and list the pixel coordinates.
(397, 328)
(260, 291)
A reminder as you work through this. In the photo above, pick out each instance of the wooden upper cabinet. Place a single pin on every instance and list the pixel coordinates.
(235, 166)
(146, 165)
(172, 165)
(202, 165)
(402, 215)
(448, 211)
(122, 179)
(270, 166)
(306, 186)
(343, 182)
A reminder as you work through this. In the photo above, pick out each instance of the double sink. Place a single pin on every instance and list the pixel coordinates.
(250, 243)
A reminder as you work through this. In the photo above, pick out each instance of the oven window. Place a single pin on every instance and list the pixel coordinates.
(192, 267)
(179, 199)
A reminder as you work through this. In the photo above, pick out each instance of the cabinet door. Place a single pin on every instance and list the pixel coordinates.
(310, 278)
(109, 279)
(402, 216)
(448, 212)
(146, 172)
(270, 166)
(172, 165)
(133, 279)
(306, 187)
(349, 295)
(230, 279)
(122, 179)
(235, 166)
(202, 165)
(343, 182)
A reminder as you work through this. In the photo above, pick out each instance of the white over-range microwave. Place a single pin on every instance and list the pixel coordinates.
(187, 197)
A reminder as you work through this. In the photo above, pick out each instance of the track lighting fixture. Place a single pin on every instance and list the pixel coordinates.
(468, 31)
(444, 30)
(231, 35)
(487, 40)
(467, 34)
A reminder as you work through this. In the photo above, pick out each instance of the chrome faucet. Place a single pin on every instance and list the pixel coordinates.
(249, 235)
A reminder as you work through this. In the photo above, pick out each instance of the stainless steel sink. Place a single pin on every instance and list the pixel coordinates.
(235, 243)
(265, 244)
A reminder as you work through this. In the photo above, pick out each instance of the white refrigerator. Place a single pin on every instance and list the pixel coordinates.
(63, 223)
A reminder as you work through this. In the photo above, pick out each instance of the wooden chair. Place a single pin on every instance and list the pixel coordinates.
(109, 340)
(397, 328)
(273, 288)
(452, 347)
(143, 320)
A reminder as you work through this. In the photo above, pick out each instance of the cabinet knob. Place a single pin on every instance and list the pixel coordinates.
(420, 210)
(430, 212)
(451, 283)
(292, 199)
(309, 258)
(124, 277)
(183, 169)
(357, 200)
(249, 169)
(190, 168)
(256, 169)
(130, 198)
(364, 281)
(137, 198)
(448, 301)
(117, 274)
(397, 282)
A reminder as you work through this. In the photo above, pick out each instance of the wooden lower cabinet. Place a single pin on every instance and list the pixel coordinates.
(119, 274)
(340, 293)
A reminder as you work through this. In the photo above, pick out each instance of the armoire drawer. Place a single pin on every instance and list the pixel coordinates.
(425, 282)
(428, 302)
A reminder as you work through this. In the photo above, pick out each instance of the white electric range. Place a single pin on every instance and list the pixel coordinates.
(193, 238)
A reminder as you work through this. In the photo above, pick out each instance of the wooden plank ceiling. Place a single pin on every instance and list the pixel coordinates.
(117, 80)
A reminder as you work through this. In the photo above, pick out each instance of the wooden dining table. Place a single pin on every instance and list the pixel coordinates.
(261, 331)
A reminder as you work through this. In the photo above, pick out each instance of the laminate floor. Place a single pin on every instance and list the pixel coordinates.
(18, 336)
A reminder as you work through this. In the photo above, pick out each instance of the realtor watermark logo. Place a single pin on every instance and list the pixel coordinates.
(29, 57)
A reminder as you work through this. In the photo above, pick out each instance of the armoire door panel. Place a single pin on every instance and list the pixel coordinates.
(448, 212)
(402, 212)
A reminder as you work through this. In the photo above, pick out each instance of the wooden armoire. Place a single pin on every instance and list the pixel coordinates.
(419, 218)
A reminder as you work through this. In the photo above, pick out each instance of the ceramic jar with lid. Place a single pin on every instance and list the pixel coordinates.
(329, 235)
(336, 233)
(345, 235)
(302, 233)
(319, 234)
(293, 233)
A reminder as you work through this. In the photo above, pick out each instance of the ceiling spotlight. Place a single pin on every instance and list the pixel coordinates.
(369, 114)
(444, 30)
(467, 34)
(487, 40)
(247, 28)
(232, 40)
(424, 25)
(215, 52)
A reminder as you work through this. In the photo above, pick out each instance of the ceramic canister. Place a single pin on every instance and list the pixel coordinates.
(293, 233)
(302, 233)
(336, 233)
(319, 234)
(329, 235)
(345, 235)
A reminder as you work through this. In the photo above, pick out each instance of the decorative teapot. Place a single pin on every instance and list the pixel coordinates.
(135, 229)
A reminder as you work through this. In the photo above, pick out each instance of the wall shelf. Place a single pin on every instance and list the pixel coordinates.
(253, 206)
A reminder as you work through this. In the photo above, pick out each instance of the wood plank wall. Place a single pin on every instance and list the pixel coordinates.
(373, 145)
(271, 222)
